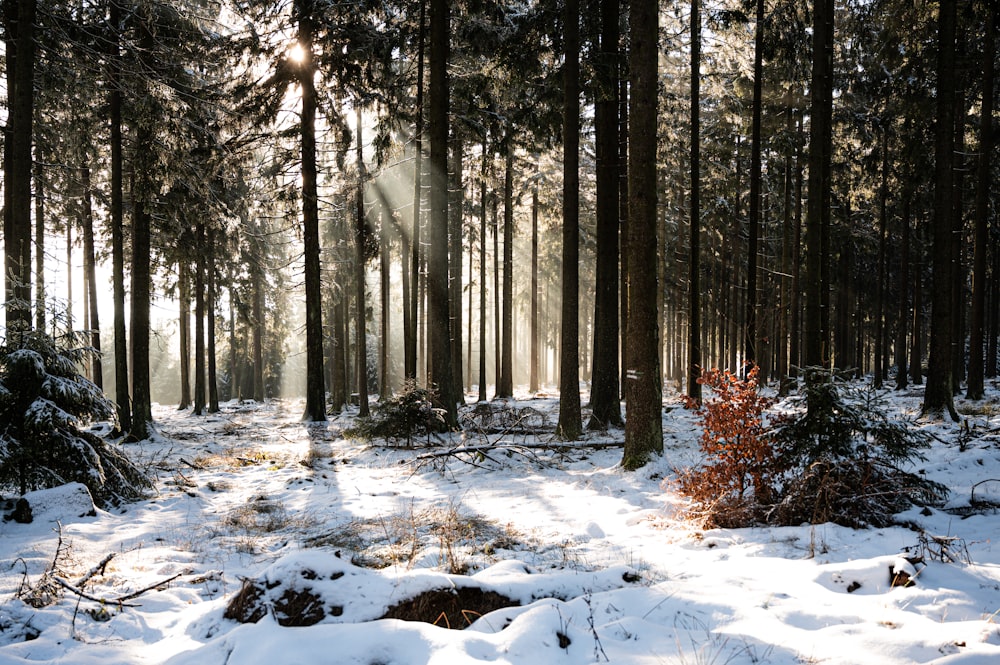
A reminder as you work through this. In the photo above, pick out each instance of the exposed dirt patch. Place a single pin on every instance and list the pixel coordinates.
(453, 608)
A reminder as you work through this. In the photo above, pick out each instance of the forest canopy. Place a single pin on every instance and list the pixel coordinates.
(337, 200)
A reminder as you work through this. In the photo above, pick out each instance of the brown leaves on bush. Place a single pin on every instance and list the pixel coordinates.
(742, 467)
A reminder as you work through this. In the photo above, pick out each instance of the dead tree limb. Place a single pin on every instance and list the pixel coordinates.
(120, 600)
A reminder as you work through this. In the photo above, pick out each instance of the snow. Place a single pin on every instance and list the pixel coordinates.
(602, 567)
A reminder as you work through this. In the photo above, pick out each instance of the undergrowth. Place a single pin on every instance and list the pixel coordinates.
(836, 456)
(400, 417)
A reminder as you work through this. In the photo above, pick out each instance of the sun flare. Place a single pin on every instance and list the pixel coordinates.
(296, 53)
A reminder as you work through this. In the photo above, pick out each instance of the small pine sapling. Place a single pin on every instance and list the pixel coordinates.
(44, 406)
(850, 456)
(400, 417)
(739, 478)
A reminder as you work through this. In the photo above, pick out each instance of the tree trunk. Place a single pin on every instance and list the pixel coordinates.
(90, 271)
(410, 334)
(122, 399)
(482, 276)
(40, 188)
(234, 392)
(993, 318)
(70, 323)
(497, 316)
(360, 299)
(694, 248)
(917, 329)
(959, 272)
(795, 325)
(142, 414)
(569, 360)
(643, 390)
(468, 329)
(605, 392)
(750, 340)
(315, 390)
(983, 183)
(623, 214)
(787, 236)
(883, 195)
(441, 380)
(904, 287)
(533, 371)
(505, 382)
(142, 191)
(213, 381)
(184, 332)
(817, 315)
(938, 394)
(385, 387)
(258, 332)
(20, 41)
(456, 204)
(199, 322)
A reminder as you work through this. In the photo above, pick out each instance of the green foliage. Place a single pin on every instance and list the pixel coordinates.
(849, 455)
(400, 417)
(44, 405)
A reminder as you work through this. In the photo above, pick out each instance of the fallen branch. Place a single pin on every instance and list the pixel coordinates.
(499, 446)
(96, 570)
(83, 594)
(972, 493)
(120, 600)
(151, 587)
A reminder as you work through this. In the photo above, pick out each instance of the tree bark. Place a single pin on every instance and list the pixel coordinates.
(878, 375)
(975, 388)
(258, 332)
(456, 205)
(122, 399)
(200, 394)
(20, 29)
(623, 214)
(315, 410)
(40, 193)
(795, 325)
(441, 380)
(142, 193)
(904, 287)
(533, 373)
(750, 339)
(410, 342)
(212, 378)
(816, 345)
(569, 358)
(90, 270)
(605, 392)
(482, 275)
(360, 299)
(917, 329)
(505, 382)
(938, 394)
(643, 389)
(234, 392)
(694, 247)
(184, 332)
(385, 387)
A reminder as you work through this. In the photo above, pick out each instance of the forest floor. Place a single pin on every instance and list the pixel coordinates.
(548, 553)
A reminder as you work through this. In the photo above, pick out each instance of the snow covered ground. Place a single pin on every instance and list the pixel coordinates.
(599, 566)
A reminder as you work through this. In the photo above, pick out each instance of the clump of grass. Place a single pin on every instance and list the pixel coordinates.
(232, 458)
(402, 538)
